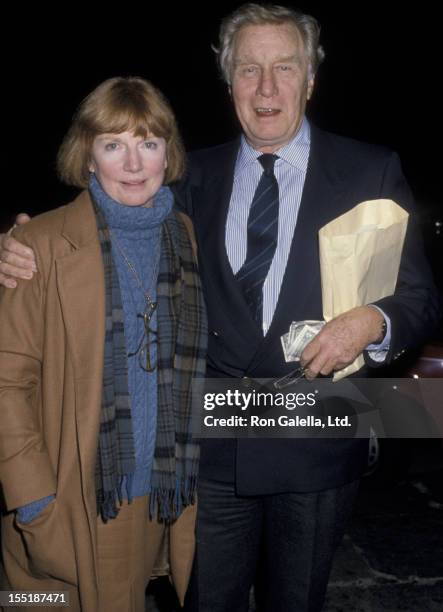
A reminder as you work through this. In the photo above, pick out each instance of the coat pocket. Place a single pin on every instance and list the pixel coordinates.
(50, 546)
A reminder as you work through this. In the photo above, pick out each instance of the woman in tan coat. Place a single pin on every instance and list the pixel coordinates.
(98, 351)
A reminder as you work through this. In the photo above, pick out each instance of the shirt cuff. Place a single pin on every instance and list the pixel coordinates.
(29, 512)
(378, 352)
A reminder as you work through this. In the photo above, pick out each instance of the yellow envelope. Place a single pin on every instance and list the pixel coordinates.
(360, 255)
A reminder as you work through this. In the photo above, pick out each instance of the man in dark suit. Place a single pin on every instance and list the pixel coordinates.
(280, 506)
(273, 511)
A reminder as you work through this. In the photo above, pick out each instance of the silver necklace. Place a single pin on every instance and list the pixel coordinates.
(149, 301)
(143, 350)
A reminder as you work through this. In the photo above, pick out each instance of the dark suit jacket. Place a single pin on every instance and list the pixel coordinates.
(341, 173)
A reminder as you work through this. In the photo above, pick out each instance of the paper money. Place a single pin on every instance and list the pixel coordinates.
(299, 335)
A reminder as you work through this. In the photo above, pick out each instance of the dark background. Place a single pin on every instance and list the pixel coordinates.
(379, 83)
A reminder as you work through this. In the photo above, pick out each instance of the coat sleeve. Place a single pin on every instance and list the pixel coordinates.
(26, 472)
(414, 309)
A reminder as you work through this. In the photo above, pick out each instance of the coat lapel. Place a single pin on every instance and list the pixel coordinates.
(80, 281)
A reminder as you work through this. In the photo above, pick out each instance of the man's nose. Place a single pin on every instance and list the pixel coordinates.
(267, 85)
(133, 162)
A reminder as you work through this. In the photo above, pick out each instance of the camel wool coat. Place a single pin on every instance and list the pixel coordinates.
(51, 363)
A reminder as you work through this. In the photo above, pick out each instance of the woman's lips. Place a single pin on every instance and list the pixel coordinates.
(133, 184)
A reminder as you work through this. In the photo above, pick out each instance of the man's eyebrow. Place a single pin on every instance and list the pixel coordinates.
(244, 60)
(288, 58)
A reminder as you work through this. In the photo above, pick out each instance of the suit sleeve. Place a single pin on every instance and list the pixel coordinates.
(414, 309)
(182, 189)
(26, 473)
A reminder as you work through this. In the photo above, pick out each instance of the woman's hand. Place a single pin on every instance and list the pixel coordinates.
(16, 260)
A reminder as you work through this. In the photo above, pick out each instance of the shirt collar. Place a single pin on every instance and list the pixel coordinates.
(295, 153)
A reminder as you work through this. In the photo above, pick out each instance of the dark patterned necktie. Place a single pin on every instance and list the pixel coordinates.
(262, 238)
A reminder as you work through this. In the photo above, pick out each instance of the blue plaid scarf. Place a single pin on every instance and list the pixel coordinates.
(182, 341)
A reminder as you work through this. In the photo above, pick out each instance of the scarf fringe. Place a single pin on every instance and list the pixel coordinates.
(109, 506)
(166, 505)
(109, 502)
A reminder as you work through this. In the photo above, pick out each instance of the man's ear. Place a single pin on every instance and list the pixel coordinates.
(310, 88)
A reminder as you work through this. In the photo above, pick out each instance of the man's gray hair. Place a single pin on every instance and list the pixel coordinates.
(264, 14)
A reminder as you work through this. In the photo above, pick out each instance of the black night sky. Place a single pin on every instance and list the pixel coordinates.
(379, 83)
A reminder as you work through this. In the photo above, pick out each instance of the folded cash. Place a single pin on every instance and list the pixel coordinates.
(285, 344)
(299, 335)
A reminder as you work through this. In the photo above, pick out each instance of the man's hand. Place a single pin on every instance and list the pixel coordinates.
(342, 340)
(16, 260)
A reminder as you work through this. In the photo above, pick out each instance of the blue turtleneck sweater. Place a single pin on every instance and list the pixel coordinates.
(137, 230)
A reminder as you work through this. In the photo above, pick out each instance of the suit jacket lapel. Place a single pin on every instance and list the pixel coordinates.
(212, 204)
